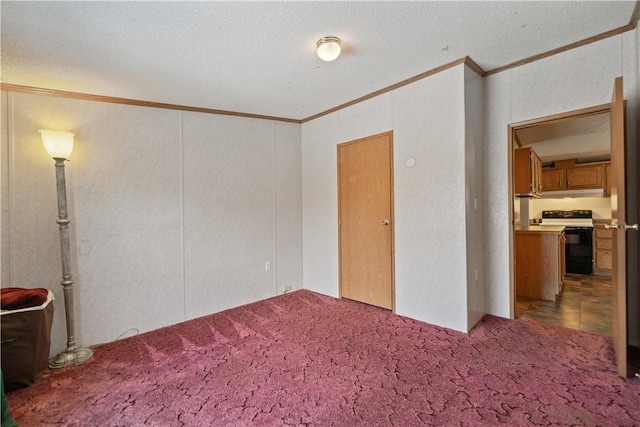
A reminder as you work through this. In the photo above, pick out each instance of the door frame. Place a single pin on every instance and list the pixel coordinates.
(512, 142)
(391, 213)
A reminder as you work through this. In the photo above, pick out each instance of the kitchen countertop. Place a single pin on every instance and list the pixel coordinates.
(539, 229)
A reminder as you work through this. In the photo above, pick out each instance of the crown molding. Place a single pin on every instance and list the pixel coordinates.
(565, 48)
(114, 100)
(395, 86)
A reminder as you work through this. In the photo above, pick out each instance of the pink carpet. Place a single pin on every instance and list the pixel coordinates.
(307, 359)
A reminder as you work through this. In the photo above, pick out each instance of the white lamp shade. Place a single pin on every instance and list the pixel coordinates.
(328, 48)
(58, 143)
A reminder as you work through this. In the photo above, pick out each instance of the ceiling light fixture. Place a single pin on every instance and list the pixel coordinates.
(328, 48)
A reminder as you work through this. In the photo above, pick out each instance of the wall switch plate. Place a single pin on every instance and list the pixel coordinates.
(267, 266)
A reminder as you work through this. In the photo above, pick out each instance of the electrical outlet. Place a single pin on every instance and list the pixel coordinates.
(287, 288)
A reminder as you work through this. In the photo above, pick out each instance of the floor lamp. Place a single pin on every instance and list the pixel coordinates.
(59, 145)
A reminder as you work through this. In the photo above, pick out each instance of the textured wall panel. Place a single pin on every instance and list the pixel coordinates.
(5, 276)
(473, 99)
(427, 118)
(123, 188)
(228, 211)
(147, 212)
(429, 125)
(568, 81)
(288, 205)
(496, 193)
(320, 138)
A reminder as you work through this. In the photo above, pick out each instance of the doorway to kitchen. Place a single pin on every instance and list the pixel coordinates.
(566, 170)
(584, 304)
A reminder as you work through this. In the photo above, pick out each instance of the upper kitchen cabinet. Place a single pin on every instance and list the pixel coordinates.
(566, 175)
(575, 148)
(553, 179)
(527, 173)
(584, 177)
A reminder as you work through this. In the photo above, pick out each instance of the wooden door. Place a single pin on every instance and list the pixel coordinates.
(619, 278)
(365, 211)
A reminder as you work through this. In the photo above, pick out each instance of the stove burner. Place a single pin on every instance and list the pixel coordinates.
(580, 213)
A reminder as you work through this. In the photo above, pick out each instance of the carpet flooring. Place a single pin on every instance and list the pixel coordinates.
(307, 359)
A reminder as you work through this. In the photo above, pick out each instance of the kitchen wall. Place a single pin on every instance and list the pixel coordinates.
(173, 214)
(571, 80)
(431, 199)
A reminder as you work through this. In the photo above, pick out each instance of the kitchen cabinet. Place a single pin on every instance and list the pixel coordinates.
(580, 177)
(527, 173)
(539, 261)
(607, 178)
(566, 175)
(553, 179)
(602, 249)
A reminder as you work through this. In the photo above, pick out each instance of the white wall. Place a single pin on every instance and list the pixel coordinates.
(428, 121)
(575, 79)
(5, 271)
(319, 184)
(173, 214)
(474, 197)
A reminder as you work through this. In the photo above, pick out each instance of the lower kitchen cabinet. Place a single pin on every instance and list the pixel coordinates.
(602, 250)
(540, 261)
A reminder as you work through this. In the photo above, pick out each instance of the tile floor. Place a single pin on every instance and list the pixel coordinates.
(584, 304)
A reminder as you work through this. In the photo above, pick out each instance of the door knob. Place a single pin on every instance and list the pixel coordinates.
(621, 226)
(385, 222)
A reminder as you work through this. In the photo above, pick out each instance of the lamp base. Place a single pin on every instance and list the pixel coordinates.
(68, 358)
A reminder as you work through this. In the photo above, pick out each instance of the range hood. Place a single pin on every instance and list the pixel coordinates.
(588, 192)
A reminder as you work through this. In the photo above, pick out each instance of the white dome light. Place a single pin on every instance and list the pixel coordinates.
(328, 48)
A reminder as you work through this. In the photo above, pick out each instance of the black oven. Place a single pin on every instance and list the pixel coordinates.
(579, 249)
(579, 238)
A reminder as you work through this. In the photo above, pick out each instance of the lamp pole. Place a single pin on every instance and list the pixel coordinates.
(72, 355)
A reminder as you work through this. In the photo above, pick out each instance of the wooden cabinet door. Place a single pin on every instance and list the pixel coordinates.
(584, 177)
(602, 250)
(607, 179)
(552, 179)
(537, 174)
(602, 233)
(537, 265)
(527, 173)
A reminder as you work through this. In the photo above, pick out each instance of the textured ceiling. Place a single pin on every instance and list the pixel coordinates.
(259, 57)
(585, 138)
